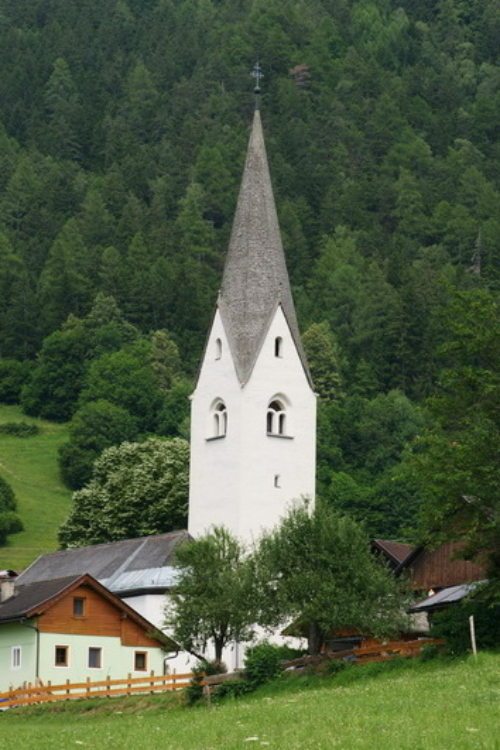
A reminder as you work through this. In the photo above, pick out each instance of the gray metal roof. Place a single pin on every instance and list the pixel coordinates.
(255, 280)
(445, 596)
(106, 561)
(149, 579)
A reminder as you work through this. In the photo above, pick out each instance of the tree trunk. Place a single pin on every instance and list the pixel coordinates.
(314, 638)
(219, 645)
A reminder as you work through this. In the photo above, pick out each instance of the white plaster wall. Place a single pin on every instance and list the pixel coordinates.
(232, 479)
(15, 634)
(152, 607)
(214, 482)
(117, 660)
(293, 458)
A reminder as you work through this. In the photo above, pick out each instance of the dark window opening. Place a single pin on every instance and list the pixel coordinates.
(140, 661)
(78, 606)
(95, 657)
(61, 656)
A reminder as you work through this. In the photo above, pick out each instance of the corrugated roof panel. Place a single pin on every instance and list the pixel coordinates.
(148, 578)
(446, 596)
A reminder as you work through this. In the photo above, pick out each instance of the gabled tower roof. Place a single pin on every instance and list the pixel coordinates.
(255, 280)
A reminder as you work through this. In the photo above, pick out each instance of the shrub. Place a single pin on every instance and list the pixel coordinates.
(336, 665)
(428, 653)
(7, 497)
(10, 523)
(194, 691)
(263, 662)
(452, 623)
(233, 688)
(19, 429)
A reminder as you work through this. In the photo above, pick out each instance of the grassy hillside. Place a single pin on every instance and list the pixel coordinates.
(30, 466)
(398, 706)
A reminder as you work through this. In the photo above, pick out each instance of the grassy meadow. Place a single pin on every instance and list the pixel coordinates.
(30, 467)
(396, 706)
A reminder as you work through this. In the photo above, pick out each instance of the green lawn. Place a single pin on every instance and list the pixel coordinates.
(30, 466)
(398, 706)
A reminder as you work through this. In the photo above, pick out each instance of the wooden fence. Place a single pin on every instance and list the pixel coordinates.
(29, 693)
(370, 653)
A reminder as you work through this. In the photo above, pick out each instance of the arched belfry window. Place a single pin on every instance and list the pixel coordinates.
(218, 348)
(278, 346)
(219, 419)
(276, 418)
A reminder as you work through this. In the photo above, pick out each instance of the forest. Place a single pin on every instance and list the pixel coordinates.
(123, 129)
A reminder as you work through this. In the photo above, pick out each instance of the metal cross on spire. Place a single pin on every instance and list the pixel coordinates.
(257, 74)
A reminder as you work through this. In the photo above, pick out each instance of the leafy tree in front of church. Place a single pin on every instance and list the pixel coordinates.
(214, 601)
(317, 568)
(137, 489)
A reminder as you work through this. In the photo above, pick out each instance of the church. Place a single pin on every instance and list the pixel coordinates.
(253, 422)
(253, 411)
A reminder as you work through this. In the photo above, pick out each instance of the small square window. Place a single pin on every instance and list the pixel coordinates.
(140, 661)
(78, 606)
(95, 657)
(15, 660)
(61, 656)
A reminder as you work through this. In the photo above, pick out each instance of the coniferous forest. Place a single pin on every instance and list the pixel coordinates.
(123, 130)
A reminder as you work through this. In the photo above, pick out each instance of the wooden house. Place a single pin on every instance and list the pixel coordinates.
(73, 628)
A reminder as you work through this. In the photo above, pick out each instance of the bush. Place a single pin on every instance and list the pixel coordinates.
(428, 653)
(7, 497)
(194, 691)
(19, 429)
(10, 523)
(13, 375)
(452, 623)
(234, 688)
(336, 665)
(263, 662)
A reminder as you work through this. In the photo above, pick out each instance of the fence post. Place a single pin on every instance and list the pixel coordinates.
(87, 689)
(129, 684)
(108, 685)
(152, 674)
(473, 636)
(67, 688)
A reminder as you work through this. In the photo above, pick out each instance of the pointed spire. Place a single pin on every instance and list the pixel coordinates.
(255, 279)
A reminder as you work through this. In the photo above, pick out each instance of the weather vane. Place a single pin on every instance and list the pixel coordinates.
(257, 74)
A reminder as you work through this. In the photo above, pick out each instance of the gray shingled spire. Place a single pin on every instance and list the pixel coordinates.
(255, 279)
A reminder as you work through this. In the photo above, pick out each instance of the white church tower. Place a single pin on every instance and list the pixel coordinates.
(253, 417)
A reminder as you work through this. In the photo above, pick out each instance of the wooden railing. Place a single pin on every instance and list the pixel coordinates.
(29, 693)
(392, 649)
(365, 654)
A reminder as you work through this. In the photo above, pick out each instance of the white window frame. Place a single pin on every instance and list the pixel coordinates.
(16, 651)
(146, 661)
(68, 655)
(100, 648)
(276, 418)
(219, 419)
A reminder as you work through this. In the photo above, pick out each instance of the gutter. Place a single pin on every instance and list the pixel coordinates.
(26, 624)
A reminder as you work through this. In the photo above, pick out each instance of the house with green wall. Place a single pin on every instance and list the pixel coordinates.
(74, 628)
